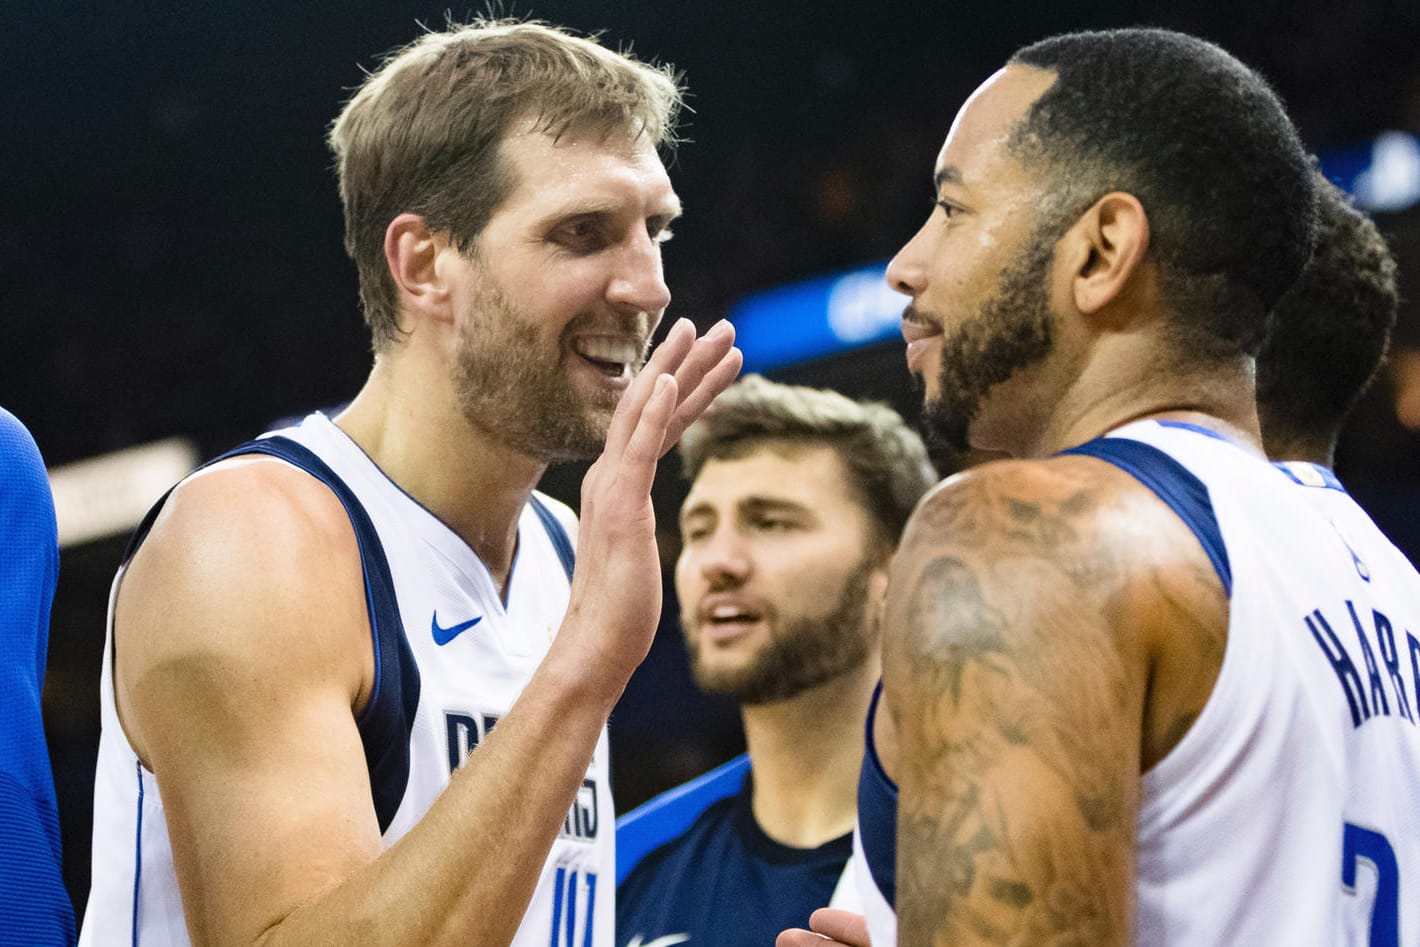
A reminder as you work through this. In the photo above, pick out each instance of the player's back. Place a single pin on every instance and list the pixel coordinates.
(1366, 632)
(1287, 812)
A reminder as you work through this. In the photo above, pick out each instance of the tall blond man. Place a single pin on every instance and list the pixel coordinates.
(312, 639)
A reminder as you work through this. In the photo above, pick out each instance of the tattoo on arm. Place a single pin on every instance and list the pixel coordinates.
(1018, 715)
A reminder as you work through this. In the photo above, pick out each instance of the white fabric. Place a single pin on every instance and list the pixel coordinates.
(473, 678)
(845, 895)
(881, 918)
(1241, 826)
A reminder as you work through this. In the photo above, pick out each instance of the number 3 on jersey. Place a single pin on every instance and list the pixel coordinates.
(1363, 845)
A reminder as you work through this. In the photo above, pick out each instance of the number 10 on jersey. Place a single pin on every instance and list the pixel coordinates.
(574, 897)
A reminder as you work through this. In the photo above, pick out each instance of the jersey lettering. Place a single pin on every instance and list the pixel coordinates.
(1340, 663)
(464, 731)
(1368, 697)
(572, 908)
(1414, 648)
(1390, 657)
(1378, 700)
(582, 818)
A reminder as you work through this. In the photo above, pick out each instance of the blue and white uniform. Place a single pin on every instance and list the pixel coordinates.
(1290, 811)
(451, 657)
(34, 907)
(694, 867)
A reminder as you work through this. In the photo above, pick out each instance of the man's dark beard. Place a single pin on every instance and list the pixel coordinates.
(803, 654)
(1010, 331)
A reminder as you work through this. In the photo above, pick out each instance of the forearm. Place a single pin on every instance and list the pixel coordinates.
(465, 873)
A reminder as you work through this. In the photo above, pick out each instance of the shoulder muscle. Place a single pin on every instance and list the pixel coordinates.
(250, 574)
(1019, 644)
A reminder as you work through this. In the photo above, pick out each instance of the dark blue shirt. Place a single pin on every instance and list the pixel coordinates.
(34, 908)
(695, 868)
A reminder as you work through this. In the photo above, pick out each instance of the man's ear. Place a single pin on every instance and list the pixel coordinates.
(1105, 250)
(412, 252)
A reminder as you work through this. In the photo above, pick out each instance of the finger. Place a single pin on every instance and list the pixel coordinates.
(705, 363)
(666, 358)
(840, 925)
(707, 352)
(800, 938)
(694, 404)
(638, 468)
(672, 350)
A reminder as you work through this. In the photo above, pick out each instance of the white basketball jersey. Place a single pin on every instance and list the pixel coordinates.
(1290, 811)
(451, 658)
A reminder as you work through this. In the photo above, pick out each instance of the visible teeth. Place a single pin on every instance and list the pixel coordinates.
(725, 612)
(607, 349)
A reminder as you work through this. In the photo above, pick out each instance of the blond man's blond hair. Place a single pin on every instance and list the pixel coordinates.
(421, 134)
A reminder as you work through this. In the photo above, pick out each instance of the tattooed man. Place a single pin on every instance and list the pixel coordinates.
(1136, 689)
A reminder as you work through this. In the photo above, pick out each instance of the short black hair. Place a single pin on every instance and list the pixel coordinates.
(1207, 148)
(1329, 333)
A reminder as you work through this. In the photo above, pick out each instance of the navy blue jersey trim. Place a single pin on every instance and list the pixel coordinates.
(387, 720)
(877, 813)
(1173, 483)
(137, 851)
(557, 534)
(668, 816)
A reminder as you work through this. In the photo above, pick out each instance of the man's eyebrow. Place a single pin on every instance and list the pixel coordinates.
(947, 175)
(754, 503)
(699, 509)
(598, 209)
(760, 503)
(585, 208)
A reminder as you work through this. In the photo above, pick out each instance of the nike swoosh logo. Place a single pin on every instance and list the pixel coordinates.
(666, 941)
(443, 636)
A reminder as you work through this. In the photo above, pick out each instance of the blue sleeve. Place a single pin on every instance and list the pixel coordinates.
(33, 905)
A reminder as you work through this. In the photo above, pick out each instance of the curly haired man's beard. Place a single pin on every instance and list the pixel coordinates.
(1010, 331)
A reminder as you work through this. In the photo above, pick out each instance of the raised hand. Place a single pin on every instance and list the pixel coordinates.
(617, 584)
(708, 369)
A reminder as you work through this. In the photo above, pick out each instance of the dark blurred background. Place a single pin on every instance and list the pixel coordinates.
(171, 260)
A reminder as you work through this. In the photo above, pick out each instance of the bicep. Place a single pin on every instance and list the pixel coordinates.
(236, 681)
(267, 804)
(1017, 712)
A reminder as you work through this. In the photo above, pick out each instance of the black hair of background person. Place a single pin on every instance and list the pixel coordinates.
(1377, 457)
